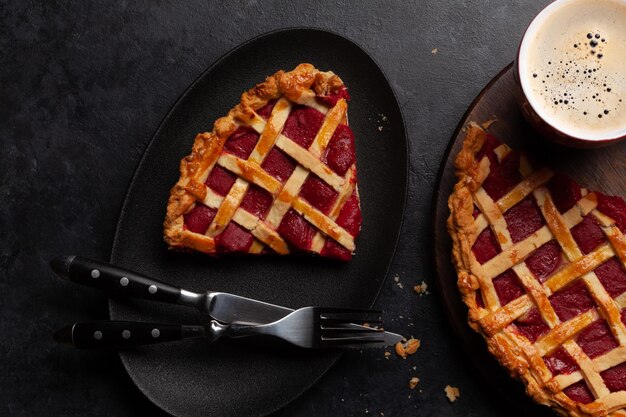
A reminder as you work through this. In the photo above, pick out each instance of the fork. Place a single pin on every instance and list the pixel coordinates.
(308, 327)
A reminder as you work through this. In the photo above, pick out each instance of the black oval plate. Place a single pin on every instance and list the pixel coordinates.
(239, 378)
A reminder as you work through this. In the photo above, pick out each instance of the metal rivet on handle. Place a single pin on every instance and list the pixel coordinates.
(124, 281)
(152, 289)
(95, 273)
(97, 335)
(126, 334)
(155, 333)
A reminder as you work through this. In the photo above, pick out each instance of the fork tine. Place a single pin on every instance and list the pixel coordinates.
(328, 331)
(348, 320)
(353, 342)
(326, 312)
(339, 316)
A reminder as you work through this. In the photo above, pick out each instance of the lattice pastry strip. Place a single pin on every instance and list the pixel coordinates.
(541, 268)
(277, 173)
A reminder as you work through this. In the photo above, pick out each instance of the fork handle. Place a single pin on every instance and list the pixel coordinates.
(111, 334)
(115, 280)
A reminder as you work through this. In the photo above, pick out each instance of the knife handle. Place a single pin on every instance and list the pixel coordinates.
(107, 334)
(114, 280)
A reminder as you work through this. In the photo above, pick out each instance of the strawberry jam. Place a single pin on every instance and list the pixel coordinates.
(545, 260)
(296, 230)
(340, 154)
(319, 194)
(560, 362)
(572, 301)
(596, 339)
(199, 218)
(234, 239)
(579, 392)
(302, 125)
(278, 165)
(257, 201)
(241, 142)
(523, 219)
(220, 180)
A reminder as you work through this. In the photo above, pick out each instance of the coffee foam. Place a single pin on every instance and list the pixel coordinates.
(573, 67)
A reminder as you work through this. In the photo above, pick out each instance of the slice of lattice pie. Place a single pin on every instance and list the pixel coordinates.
(541, 266)
(276, 175)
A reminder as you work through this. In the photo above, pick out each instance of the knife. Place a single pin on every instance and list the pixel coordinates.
(221, 306)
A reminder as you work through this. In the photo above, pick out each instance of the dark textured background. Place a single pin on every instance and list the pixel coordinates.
(83, 87)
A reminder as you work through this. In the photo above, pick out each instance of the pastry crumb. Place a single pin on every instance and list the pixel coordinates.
(413, 382)
(489, 122)
(452, 393)
(380, 128)
(434, 51)
(408, 348)
(421, 289)
(387, 355)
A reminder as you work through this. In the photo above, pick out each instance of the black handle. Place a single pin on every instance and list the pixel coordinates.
(123, 334)
(104, 276)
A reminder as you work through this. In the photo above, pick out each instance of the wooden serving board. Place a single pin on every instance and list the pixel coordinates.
(601, 169)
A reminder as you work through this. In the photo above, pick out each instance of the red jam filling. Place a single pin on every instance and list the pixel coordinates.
(302, 125)
(319, 194)
(489, 145)
(615, 208)
(612, 276)
(615, 377)
(257, 201)
(596, 339)
(234, 239)
(241, 142)
(565, 192)
(532, 325)
(340, 154)
(579, 392)
(503, 177)
(523, 219)
(220, 180)
(278, 165)
(333, 249)
(296, 230)
(588, 234)
(266, 110)
(571, 301)
(476, 212)
(486, 246)
(350, 219)
(350, 215)
(508, 287)
(560, 362)
(199, 218)
(545, 260)
(332, 98)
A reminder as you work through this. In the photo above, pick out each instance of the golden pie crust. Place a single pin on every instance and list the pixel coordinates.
(523, 358)
(301, 86)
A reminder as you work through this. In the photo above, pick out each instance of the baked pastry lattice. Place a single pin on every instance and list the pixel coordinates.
(276, 175)
(541, 266)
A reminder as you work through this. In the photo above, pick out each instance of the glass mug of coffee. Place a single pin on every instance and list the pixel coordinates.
(571, 72)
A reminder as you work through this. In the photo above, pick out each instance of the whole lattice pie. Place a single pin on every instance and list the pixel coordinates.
(540, 265)
(276, 175)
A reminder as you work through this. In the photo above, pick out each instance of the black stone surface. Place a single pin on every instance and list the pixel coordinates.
(82, 88)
